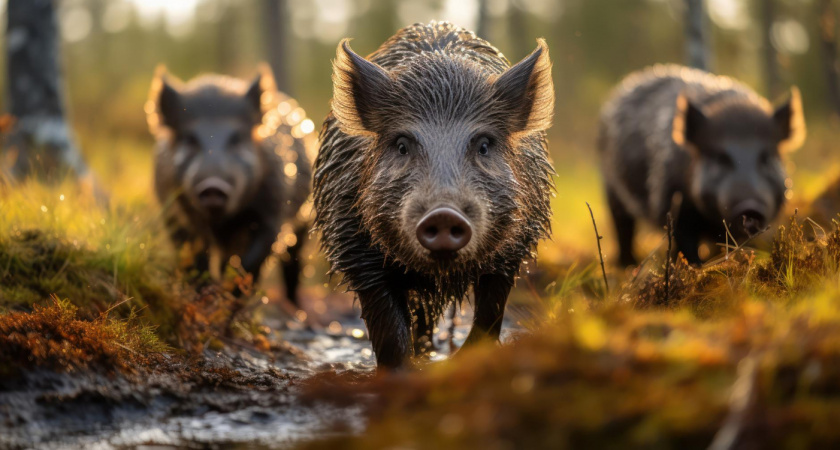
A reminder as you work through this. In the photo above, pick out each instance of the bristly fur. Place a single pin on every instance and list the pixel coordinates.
(445, 77)
(647, 159)
(275, 195)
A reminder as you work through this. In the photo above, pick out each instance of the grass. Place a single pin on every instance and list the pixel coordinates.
(749, 344)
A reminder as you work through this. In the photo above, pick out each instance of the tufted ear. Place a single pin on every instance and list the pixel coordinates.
(790, 122)
(262, 83)
(360, 88)
(689, 122)
(166, 101)
(527, 91)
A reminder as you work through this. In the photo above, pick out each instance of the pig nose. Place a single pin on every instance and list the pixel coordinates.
(750, 215)
(213, 193)
(444, 231)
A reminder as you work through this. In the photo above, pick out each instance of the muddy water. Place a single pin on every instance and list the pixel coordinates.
(259, 407)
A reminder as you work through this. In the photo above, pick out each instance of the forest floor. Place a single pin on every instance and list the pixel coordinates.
(103, 343)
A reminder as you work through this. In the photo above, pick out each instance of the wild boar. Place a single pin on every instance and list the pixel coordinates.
(673, 132)
(233, 171)
(433, 177)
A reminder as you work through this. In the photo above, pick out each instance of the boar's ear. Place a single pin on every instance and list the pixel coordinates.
(689, 121)
(527, 91)
(790, 122)
(165, 105)
(359, 90)
(255, 95)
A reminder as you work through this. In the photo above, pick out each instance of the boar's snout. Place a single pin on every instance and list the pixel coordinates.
(751, 215)
(213, 194)
(444, 231)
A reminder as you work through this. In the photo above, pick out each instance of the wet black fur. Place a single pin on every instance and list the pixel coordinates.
(436, 73)
(645, 169)
(273, 199)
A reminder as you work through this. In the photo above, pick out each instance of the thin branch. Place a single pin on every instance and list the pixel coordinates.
(670, 226)
(741, 400)
(451, 338)
(600, 253)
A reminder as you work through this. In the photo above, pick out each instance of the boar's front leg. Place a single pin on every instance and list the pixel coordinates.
(687, 230)
(491, 294)
(290, 266)
(385, 312)
(259, 249)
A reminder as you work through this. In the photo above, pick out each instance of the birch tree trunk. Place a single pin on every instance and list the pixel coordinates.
(40, 142)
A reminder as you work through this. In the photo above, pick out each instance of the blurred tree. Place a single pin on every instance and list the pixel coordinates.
(41, 142)
(696, 34)
(828, 43)
(771, 63)
(518, 30)
(275, 40)
(483, 22)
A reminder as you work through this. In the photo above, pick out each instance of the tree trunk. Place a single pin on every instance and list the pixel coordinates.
(482, 28)
(275, 39)
(40, 142)
(696, 35)
(831, 57)
(771, 65)
(518, 30)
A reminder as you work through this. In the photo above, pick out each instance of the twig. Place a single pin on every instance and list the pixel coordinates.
(451, 337)
(819, 231)
(123, 301)
(737, 248)
(670, 226)
(600, 253)
(741, 400)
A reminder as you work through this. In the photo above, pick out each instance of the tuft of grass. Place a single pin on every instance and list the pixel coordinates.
(55, 337)
(747, 347)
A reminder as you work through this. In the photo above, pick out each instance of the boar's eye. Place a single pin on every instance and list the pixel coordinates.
(724, 160)
(765, 158)
(237, 139)
(482, 146)
(191, 140)
(402, 145)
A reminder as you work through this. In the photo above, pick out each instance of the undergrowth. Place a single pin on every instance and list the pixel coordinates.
(743, 351)
(55, 337)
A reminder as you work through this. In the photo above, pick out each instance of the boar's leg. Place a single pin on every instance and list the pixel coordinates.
(290, 266)
(625, 227)
(423, 330)
(491, 293)
(262, 239)
(200, 256)
(687, 231)
(385, 312)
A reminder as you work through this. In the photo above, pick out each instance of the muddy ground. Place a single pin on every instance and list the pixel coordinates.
(235, 397)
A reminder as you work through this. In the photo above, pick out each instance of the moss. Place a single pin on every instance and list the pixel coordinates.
(55, 337)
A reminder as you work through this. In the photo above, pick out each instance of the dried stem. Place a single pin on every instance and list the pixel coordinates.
(600, 253)
(670, 226)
